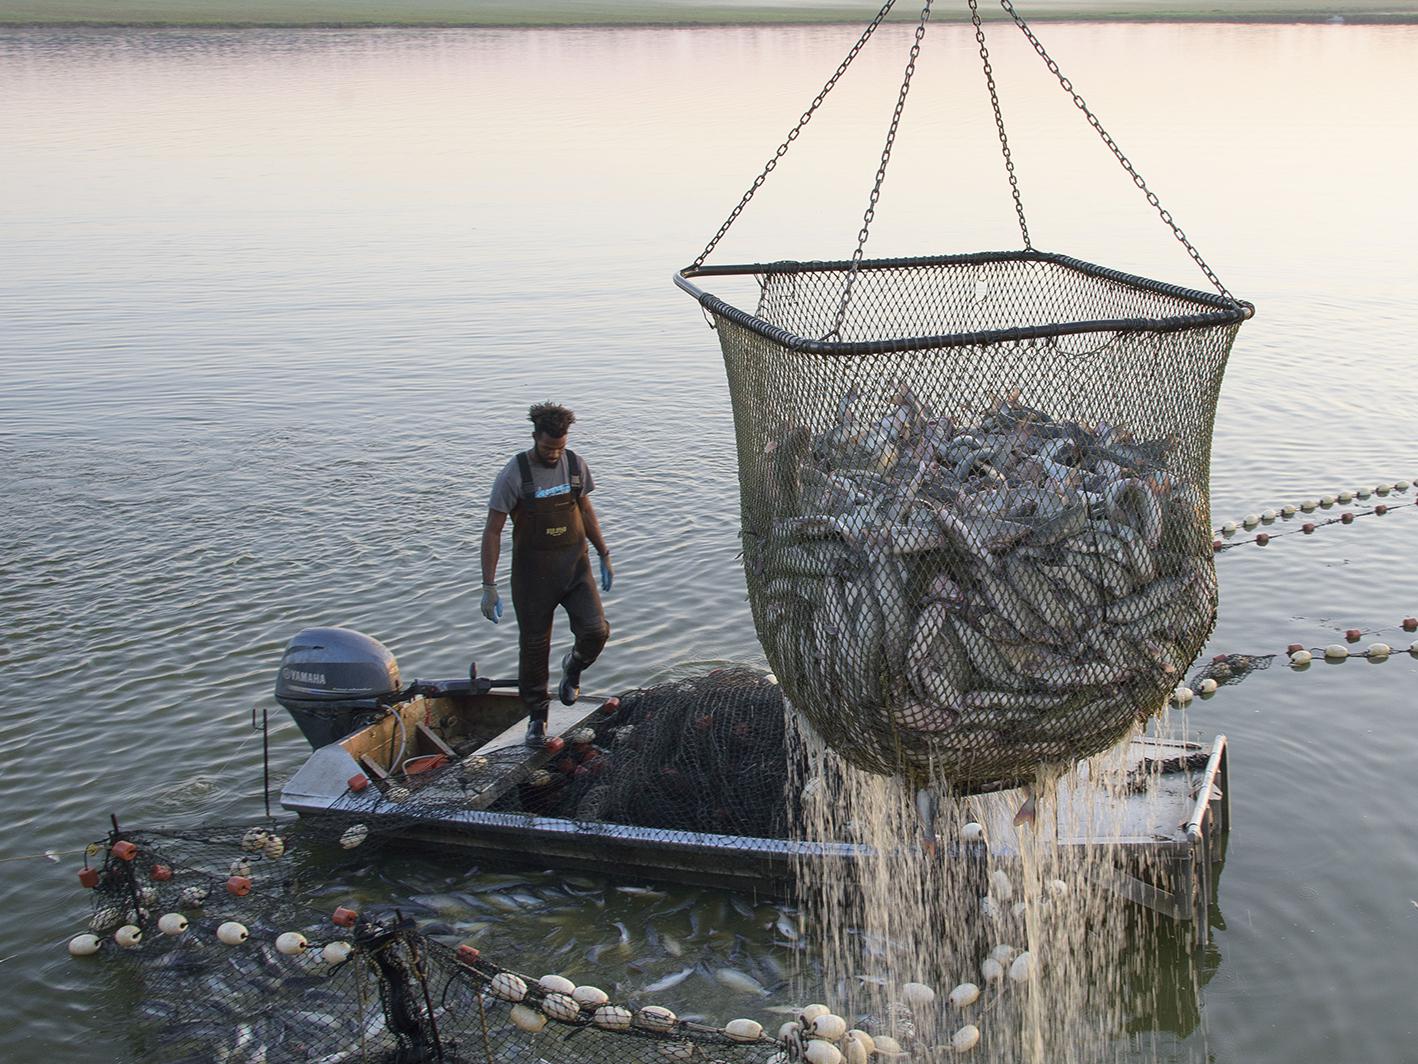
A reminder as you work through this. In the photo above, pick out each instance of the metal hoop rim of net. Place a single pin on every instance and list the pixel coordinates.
(1213, 309)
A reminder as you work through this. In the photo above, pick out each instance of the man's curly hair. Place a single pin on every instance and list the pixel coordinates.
(551, 419)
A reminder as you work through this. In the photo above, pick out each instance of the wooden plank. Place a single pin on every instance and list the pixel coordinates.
(433, 740)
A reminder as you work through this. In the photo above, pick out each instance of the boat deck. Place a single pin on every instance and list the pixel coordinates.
(1167, 834)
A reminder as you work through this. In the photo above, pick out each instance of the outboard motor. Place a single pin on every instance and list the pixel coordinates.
(334, 680)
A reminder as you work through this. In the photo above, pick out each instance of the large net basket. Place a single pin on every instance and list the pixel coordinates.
(974, 500)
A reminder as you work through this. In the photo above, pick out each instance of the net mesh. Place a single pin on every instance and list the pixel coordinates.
(971, 555)
(219, 951)
(1231, 668)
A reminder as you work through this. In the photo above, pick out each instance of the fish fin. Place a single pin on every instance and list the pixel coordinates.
(1026, 812)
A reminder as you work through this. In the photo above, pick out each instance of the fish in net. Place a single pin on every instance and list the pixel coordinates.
(218, 951)
(963, 591)
(218, 943)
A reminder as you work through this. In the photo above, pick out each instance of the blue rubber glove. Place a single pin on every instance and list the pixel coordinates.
(492, 604)
(607, 573)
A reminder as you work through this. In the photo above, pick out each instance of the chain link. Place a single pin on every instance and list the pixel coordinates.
(875, 196)
(796, 132)
(999, 125)
(1137, 180)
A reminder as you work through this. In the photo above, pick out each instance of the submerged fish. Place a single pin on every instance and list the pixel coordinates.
(672, 980)
(739, 981)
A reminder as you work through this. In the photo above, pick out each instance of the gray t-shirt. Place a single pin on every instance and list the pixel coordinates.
(546, 480)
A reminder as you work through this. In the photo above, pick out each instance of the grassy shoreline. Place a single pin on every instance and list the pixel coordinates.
(347, 14)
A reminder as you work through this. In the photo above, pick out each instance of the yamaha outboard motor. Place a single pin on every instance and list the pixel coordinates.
(334, 680)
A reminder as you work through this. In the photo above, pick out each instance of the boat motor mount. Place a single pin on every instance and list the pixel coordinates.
(334, 681)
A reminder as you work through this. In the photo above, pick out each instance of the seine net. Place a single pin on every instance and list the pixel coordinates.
(217, 950)
(242, 943)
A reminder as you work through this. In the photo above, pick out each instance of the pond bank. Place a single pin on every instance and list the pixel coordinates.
(510, 13)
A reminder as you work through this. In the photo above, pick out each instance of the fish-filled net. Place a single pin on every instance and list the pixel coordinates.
(975, 517)
(218, 948)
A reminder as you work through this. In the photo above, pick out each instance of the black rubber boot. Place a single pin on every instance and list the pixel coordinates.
(570, 688)
(536, 731)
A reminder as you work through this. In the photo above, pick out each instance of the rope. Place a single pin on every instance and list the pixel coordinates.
(1289, 511)
(1137, 179)
(875, 196)
(49, 855)
(793, 135)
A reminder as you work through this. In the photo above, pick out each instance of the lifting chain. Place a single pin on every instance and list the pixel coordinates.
(796, 132)
(1137, 180)
(999, 125)
(875, 196)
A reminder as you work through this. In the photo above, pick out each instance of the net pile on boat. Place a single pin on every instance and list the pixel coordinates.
(968, 557)
(704, 754)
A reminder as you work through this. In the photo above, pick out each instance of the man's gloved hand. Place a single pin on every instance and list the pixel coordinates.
(607, 573)
(492, 605)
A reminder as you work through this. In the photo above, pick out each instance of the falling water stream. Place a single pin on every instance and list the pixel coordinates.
(920, 916)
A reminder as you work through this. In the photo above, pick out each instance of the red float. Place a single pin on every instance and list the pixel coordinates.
(344, 917)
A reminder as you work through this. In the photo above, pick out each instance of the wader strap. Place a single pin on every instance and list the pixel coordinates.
(529, 490)
(573, 472)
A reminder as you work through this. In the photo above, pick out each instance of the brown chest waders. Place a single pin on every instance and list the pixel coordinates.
(550, 568)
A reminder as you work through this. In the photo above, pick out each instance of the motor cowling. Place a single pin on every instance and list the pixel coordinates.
(332, 681)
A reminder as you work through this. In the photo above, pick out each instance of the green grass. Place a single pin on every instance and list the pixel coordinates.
(650, 12)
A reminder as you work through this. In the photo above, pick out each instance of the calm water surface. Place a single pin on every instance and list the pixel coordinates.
(275, 303)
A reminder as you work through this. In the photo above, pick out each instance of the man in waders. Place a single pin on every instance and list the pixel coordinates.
(546, 490)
